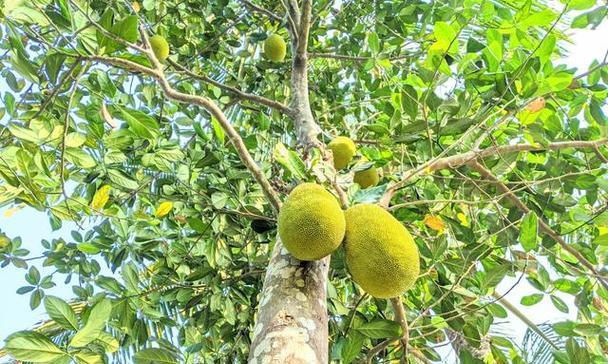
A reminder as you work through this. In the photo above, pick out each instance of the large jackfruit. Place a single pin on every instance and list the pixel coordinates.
(380, 253)
(275, 48)
(311, 222)
(343, 149)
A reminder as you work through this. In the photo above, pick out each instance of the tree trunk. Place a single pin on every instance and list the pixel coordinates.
(291, 326)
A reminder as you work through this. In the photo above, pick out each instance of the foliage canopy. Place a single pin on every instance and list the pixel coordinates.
(492, 152)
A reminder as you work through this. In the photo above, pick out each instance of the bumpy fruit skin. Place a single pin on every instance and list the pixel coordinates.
(275, 48)
(311, 222)
(160, 47)
(344, 150)
(367, 177)
(380, 253)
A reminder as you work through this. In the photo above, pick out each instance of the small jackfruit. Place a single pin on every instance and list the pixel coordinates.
(343, 149)
(367, 177)
(4, 241)
(311, 222)
(160, 47)
(275, 48)
(380, 253)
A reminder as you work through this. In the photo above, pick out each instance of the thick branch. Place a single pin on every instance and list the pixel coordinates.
(544, 227)
(464, 158)
(241, 94)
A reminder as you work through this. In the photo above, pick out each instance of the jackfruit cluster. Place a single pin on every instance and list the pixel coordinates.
(311, 222)
(275, 48)
(160, 47)
(343, 150)
(380, 253)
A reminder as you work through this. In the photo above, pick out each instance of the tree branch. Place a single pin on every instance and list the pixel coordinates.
(503, 301)
(241, 94)
(261, 10)
(209, 105)
(304, 25)
(401, 319)
(344, 57)
(544, 227)
(465, 158)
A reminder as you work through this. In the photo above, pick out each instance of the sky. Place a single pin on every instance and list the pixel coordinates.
(32, 226)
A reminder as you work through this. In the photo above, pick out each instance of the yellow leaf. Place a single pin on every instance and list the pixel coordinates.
(603, 230)
(10, 212)
(537, 105)
(463, 219)
(136, 6)
(101, 197)
(164, 208)
(105, 115)
(435, 223)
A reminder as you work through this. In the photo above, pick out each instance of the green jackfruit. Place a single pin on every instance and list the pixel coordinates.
(343, 149)
(160, 47)
(311, 222)
(275, 48)
(367, 177)
(380, 253)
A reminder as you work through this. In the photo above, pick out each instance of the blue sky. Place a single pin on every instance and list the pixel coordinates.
(32, 226)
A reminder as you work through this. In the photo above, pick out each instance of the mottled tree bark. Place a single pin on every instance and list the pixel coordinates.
(291, 326)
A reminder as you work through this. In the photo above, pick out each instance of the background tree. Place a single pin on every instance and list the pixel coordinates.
(492, 154)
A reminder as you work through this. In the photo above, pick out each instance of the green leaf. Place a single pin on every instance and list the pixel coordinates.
(154, 356)
(374, 42)
(75, 140)
(100, 313)
(122, 180)
(352, 347)
(495, 276)
(218, 131)
(445, 35)
(559, 304)
(542, 18)
(109, 342)
(88, 248)
(567, 286)
(595, 109)
(528, 232)
(380, 329)
(588, 329)
(61, 312)
(88, 357)
(532, 299)
(290, 160)
(141, 124)
(33, 347)
(79, 158)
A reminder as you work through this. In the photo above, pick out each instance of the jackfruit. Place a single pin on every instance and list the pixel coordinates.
(343, 149)
(380, 253)
(160, 47)
(311, 222)
(367, 177)
(275, 48)
(4, 241)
